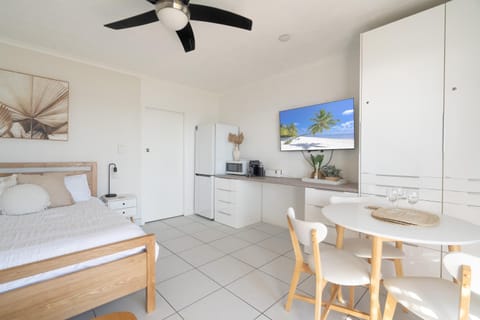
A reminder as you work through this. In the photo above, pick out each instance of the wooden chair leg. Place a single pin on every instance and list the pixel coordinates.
(390, 306)
(319, 285)
(293, 287)
(335, 289)
(351, 301)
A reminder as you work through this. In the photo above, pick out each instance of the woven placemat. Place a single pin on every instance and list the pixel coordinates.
(406, 216)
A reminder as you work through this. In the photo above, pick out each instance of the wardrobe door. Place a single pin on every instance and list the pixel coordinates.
(462, 112)
(402, 96)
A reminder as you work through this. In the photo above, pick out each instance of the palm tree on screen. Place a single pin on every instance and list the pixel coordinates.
(323, 121)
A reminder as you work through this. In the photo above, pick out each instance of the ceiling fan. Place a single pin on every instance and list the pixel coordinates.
(176, 15)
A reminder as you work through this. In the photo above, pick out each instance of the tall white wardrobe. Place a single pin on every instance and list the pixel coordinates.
(420, 114)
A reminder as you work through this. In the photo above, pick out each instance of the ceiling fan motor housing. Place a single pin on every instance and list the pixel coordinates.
(174, 14)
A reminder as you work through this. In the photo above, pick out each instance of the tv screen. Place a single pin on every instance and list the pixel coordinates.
(325, 126)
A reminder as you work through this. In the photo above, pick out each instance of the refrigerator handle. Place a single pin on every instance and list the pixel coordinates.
(203, 175)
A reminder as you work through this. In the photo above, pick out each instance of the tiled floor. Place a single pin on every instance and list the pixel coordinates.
(206, 270)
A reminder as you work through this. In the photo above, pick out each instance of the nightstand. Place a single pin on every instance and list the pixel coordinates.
(124, 204)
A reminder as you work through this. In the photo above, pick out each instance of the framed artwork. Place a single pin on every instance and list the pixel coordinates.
(33, 107)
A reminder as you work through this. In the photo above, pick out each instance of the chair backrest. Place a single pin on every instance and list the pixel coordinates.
(455, 260)
(303, 229)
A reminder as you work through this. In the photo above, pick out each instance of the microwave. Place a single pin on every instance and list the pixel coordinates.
(239, 167)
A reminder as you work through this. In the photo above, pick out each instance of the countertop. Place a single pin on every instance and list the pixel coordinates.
(295, 182)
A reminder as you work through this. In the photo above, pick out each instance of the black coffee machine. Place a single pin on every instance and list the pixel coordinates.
(256, 169)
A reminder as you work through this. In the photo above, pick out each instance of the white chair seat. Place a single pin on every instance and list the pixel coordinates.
(363, 248)
(342, 267)
(430, 298)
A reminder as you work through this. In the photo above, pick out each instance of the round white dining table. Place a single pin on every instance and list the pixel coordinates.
(357, 217)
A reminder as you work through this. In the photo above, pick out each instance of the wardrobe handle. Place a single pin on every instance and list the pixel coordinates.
(454, 88)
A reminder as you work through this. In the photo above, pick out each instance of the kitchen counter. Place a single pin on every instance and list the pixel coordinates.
(295, 182)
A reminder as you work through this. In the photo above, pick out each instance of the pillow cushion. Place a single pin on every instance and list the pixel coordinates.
(23, 199)
(7, 182)
(53, 183)
(78, 187)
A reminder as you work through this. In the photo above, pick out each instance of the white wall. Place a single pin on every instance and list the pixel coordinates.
(197, 107)
(255, 109)
(104, 112)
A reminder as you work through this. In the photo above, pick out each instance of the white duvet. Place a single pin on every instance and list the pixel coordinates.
(58, 231)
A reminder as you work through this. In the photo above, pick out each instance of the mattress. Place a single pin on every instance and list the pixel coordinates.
(59, 231)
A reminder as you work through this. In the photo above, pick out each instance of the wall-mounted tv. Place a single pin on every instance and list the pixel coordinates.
(325, 126)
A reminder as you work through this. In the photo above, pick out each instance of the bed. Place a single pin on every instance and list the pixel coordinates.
(47, 272)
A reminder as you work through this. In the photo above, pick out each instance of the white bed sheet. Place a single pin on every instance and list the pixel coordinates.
(58, 231)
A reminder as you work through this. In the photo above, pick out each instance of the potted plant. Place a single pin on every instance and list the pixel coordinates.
(237, 140)
(331, 173)
(316, 162)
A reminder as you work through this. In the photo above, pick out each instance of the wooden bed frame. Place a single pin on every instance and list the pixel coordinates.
(71, 294)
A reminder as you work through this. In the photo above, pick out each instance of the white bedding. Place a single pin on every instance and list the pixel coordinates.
(59, 231)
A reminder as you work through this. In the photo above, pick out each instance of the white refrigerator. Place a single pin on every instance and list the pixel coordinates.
(212, 150)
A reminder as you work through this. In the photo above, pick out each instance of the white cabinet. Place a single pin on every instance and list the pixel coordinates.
(123, 204)
(462, 131)
(401, 97)
(315, 200)
(237, 202)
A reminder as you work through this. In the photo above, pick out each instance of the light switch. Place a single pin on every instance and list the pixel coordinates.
(121, 149)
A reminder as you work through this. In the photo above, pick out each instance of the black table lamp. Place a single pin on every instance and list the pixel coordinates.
(111, 195)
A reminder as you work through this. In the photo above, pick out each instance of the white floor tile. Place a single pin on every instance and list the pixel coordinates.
(255, 256)
(174, 316)
(252, 235)
(268, 228)
(201, 255)
(181, 244)
(84, 316)
(209, 235)
(155, 226)
(278, 245)
(299, 310)
(225, 229)
(282, 269)
(192, 227)
(163, 252)
(284, 235)
(186, 288)
(177, 221)
(290, 254)
(219, 305)
(168, 234)
(135, 303)
(230, 244)
(263, 317)
(225, 270)
(259, 289)
(169, 267)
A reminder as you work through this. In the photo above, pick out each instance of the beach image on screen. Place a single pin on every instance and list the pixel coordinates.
(323, 126)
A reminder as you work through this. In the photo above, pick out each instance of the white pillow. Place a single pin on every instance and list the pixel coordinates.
(78, 187)
(7, 182)
(23, 199)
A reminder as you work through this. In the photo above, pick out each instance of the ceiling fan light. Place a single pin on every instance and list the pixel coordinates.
(173, 18)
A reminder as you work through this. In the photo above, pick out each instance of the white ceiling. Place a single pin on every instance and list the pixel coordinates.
(225, 57)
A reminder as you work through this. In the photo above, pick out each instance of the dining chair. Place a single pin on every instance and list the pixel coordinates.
(334, 266)
(363, 247)
(435, 298)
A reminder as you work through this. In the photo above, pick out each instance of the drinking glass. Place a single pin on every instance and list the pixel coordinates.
(412, 198)
(392, 196)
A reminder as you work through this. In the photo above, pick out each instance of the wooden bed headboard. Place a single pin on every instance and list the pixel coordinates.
(72, 168)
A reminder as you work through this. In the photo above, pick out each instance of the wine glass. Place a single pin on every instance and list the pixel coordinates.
(392, 196)
(412, 198)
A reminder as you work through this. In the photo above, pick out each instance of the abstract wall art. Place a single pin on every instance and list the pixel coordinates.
(33, 107)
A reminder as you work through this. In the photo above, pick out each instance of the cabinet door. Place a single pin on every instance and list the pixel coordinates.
(402, 96)
(462, 84)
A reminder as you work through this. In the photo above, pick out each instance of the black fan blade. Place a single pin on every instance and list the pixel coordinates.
(153, 1)
(138, 20)
(187, 38)
(214, 15)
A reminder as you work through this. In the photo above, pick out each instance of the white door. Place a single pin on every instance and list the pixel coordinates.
(162, 159)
